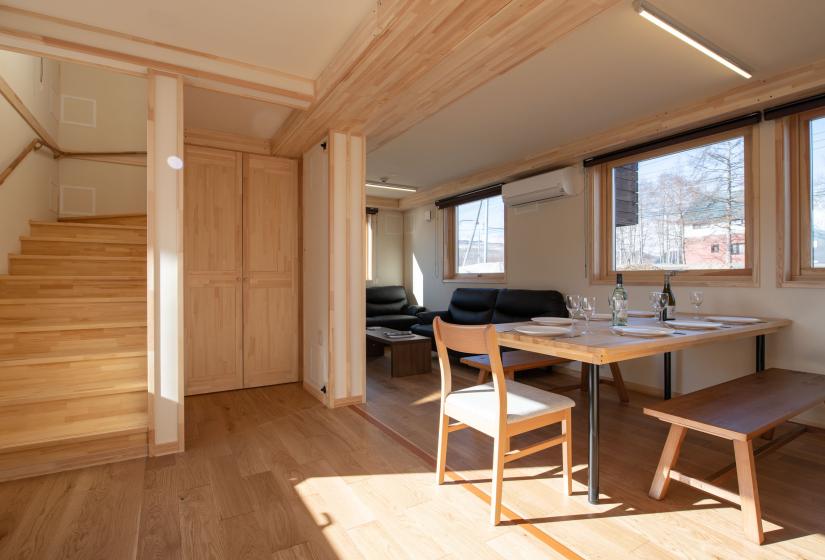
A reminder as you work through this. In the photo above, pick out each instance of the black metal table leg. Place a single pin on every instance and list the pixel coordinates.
(667, 375)
(760, 353)
(593, 448)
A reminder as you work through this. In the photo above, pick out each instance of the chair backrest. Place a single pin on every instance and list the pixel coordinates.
(469, 339)
(385, 300)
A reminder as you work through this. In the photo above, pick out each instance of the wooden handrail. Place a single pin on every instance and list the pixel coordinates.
(32, 146)
(98, 154)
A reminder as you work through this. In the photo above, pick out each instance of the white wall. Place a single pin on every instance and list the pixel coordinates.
(546, 249)
(120, 102)
(29, 193)
(388, 248)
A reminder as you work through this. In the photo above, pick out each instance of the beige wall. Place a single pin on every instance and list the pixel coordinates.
(30, 191)
(388, 248)
(120, 125)
(546, 249)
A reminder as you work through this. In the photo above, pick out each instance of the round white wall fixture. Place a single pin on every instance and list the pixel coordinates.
(174, 162)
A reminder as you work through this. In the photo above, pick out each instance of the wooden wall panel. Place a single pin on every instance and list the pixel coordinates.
(271, 271)
(213, 248)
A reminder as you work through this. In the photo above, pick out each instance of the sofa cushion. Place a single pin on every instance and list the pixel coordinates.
(423, 330)
(522, 305)
(386, 300)
(472, 306)
(398, 322)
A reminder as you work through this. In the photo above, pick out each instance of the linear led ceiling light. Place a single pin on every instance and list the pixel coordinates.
(391, 187)
(661, 20)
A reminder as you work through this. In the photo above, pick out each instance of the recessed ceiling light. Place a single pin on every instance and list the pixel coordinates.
(662, 21)
(391, 187)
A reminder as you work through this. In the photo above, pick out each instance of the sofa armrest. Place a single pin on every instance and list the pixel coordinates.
(413, 310)
(427, 317)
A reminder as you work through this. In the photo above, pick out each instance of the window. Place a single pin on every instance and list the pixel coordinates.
(802, 260)
(684, 207)
(474, 240)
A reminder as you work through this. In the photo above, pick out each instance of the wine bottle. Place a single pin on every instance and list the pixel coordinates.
(619, 311)
(669, 312)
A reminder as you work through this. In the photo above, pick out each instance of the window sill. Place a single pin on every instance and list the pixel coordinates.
(486, 279)
(738, 279)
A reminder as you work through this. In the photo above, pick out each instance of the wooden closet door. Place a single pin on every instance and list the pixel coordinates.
(212, 245)
(271, 271)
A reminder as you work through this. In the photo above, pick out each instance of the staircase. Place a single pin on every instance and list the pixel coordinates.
(73, 389)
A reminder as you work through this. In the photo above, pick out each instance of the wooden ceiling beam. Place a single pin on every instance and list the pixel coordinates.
(412, 58)
(754, 95)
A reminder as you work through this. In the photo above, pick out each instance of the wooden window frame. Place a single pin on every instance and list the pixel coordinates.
(449, 268)
(793, 179)
(599, 188)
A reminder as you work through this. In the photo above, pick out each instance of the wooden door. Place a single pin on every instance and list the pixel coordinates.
(212, 245)
(271, 271)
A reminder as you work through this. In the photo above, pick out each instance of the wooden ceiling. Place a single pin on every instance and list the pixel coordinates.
(412, 58)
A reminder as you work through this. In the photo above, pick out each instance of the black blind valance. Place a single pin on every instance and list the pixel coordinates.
(799, 106)
(470, 196)
(707, 130)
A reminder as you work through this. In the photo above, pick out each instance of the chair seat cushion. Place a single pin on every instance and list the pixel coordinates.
(477, 406)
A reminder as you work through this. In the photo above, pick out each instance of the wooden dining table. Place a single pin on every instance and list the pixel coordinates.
(601, 346)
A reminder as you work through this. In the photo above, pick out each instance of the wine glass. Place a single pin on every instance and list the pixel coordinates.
(574, 304)
(588, 308)
(696, 299)
(658, 301)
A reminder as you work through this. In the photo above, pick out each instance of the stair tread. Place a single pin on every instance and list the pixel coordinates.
(46, 326)
(81, 240)
(58, 357)
(78, 258)
(71, 278)
(99, 217)
(81, 430)
(83, 225)
(55, 391)
(69, 299)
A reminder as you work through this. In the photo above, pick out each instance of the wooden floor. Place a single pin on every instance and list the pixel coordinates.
(268, 473)
(689, 524)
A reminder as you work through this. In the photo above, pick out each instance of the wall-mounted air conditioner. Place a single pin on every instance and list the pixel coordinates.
(568, 181)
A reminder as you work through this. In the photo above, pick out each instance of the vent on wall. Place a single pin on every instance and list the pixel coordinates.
(77, 201)
(78, 110)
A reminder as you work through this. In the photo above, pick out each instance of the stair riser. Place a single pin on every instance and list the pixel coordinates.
(69, 267)
(113, 220)
(79, 232)
(81, 341)
(46, 382)
(25, 314)
(63, 457)
(89, 249)
(11, 287)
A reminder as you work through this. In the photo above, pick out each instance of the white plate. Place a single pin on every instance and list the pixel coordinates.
(734, 320)
(637, 313)
(601, 317)
(552, 320)
(644, 332)
(693, 325)
(540, 330)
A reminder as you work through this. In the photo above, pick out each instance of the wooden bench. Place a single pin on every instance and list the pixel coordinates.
(738, 410)
(514, 361)
(522, 360)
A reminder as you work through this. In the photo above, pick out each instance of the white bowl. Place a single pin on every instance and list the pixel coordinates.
(540, 330)
(643, 332)
(561, 321)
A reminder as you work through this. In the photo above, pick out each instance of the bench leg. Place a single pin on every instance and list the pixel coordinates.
(748, 491)
(616, 371)
(510, 374)
(670, 454)
(482, 377)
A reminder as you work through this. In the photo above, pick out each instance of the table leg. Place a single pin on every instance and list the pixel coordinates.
(593, 447)
(668, 360)
(760, 353)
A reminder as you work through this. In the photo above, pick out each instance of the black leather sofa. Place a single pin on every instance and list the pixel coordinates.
(479, 306)
(387, 306)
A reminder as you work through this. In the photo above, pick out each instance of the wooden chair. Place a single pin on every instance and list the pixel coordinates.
(499, 409)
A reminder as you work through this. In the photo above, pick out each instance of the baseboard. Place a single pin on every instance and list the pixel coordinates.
(348, 401)
(168, 448)
(315, 392)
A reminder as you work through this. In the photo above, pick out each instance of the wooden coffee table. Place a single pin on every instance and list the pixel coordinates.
(409, 355)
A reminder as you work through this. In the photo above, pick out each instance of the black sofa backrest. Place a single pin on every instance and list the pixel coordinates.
(386, 300)
(472, 306)
(522, 305)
